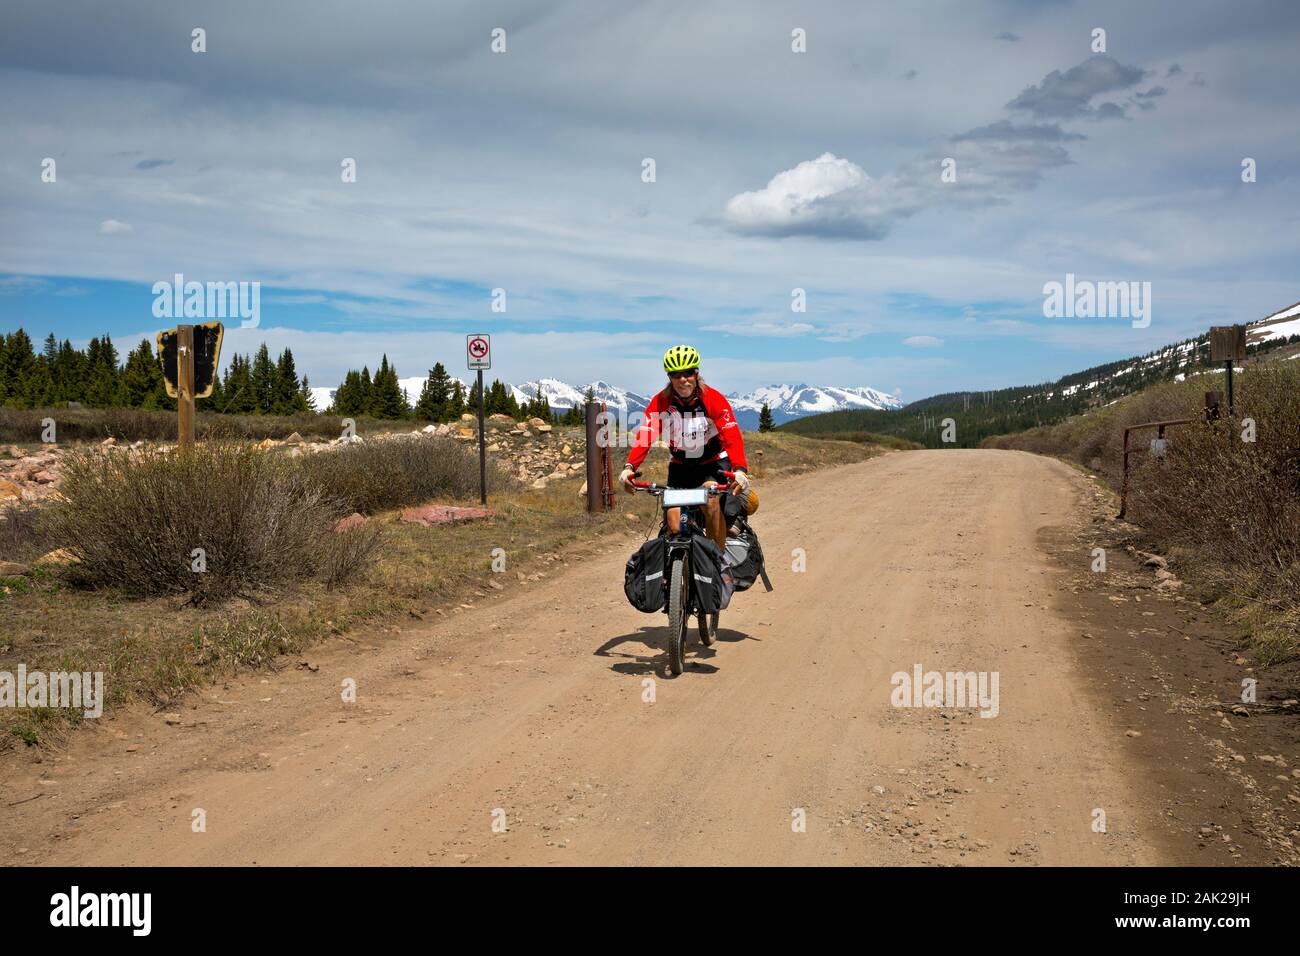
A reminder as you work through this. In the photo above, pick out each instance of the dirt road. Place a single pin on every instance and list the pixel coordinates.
(532, 710)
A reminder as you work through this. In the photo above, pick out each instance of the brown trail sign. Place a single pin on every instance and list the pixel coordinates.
(189, 355)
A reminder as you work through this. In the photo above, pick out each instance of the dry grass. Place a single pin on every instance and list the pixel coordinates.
(1228, 508)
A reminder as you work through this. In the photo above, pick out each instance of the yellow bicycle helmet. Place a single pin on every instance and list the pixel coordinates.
(681, 357)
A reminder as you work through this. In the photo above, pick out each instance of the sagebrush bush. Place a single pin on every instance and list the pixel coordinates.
(136, 520)
(399, 471)
(23, 534)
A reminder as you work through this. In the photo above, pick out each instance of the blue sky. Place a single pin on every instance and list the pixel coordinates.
(774, 171)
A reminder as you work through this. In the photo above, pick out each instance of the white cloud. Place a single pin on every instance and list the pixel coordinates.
(111, 227)
(923, 341)
(794, 198)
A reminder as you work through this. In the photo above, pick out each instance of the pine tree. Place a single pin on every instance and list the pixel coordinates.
(306, 400)
(365, 391)
(17, 362)
(69, 374)
(286, 399)
(241, 397)
(434, 397)
(103, 377)
(387, 401)
(263, 381)
(456, 404)
(349, 397)
(765, 423)
(142, 380)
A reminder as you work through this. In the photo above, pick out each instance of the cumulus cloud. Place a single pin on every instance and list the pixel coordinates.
(818, 196)
(111, 227)
(1068, 95)
(923, 341)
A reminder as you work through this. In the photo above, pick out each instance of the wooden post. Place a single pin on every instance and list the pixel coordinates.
(185, 387)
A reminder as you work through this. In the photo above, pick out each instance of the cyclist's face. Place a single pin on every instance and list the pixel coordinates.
(684, 382)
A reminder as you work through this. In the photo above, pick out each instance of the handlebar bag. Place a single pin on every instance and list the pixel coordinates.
(643, 578)
(711, 575)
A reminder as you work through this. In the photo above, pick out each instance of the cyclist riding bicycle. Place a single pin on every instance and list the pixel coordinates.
(703, 440)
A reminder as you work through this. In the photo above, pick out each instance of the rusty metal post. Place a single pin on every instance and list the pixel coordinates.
(608, 498)
(1123, 488)
(594, 470)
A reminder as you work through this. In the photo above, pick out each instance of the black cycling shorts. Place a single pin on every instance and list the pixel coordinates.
(692, 474)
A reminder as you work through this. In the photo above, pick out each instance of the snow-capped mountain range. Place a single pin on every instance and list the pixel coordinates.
(786, 401)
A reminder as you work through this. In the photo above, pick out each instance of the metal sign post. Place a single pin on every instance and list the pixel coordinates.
(1228, 345)
(478, 356)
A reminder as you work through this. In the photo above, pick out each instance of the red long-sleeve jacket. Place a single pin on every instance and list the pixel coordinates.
(702, 428)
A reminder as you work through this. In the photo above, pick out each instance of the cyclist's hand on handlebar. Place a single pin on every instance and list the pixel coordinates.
(625, 479)
(739, 482)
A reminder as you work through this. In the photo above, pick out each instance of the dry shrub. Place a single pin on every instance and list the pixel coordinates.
(398, 471)
(1235, 502)
(22, 534)
(346, 554)
(135, 520)
(1231, 506)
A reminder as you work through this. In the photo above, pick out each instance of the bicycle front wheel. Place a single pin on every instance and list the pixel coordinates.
(678, 582)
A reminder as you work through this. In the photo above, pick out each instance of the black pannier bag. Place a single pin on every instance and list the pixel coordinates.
(711, 576)
(643, 578)
(746, 556)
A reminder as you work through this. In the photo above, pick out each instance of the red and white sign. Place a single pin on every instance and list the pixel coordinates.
(478, 351)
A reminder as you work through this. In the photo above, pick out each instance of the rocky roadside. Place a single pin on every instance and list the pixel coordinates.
(535, 452)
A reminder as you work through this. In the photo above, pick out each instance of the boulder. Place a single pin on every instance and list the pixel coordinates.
(108, 442)
(500, 417)
(266, 443)
(294, 439)
(12, 569)
(543, 428)
(538, 485)
(566, 451)
(468, 417)
(536, 421)
(466, 433)
(354, 520)
(9, 490)
(59, 558)
(430, 515)
(45, 477)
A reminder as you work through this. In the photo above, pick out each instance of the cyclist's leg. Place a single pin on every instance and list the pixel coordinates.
(674, 519)
(715, 522)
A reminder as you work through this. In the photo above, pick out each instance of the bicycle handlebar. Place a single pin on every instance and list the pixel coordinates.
(656, 489)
